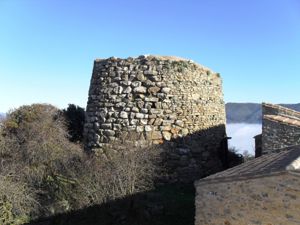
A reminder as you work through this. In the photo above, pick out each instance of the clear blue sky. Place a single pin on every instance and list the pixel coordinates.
(47, 47)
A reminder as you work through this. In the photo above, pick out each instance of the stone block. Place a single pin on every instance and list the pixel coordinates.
(167, 135)
(136, 84)
(124, 115)
(153, 90)
(148, 128)
(140, 104)
(135, 109)
(150, 72)
(140, 77)
(165, 90)
(106, 125)
(179, 123)
(143, 121)
(140, 89)
(127, 90)
(184, 132)
(165, 128)
(109, 132)
(156, 135)
(151, 99)
(139, 115)
(139, 129)
(158, 122)
(151, 121)
(144, 110)
(155, 111)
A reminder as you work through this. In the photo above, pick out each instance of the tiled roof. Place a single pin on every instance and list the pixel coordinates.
(285, 160)
(283, 119)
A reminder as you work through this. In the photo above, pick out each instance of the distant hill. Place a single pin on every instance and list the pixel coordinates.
(249, 112)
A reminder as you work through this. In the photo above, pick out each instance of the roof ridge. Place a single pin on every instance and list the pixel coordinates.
(275, 106)
(283, 119)
(288, 159)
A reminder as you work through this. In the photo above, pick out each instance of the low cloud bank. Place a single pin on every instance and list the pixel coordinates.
(242, 136)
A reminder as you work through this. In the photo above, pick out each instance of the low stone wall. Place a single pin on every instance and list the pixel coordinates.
(272, 200)
(157, 100)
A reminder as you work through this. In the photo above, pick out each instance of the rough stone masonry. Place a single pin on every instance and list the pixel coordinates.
(280, 127)
(159, 100)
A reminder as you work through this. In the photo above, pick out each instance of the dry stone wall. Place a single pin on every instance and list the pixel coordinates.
(280, 128)
(277, 135)
(159, 100)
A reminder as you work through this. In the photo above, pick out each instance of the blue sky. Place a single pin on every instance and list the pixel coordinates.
(47, 47)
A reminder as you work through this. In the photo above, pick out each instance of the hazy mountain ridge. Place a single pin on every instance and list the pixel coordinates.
(249, 112)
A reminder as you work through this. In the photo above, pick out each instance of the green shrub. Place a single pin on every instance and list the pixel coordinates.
(74, 116)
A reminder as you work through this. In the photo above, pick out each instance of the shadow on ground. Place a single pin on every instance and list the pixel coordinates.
(168, 205)
(189, 158)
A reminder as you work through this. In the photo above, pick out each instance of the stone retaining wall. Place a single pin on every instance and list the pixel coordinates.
(158, 100)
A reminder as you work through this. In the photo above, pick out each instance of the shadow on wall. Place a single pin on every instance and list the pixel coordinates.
(168, 205)
(197, 155)
(186, 159)
(189, 157)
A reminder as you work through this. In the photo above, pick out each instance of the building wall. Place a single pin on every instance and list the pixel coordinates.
(276, 135)
(273, 200)
(158, 100)
(258, 145)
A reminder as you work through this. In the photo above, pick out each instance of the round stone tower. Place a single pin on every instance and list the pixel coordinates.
(159, 99)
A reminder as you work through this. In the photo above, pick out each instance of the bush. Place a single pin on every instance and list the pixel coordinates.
(16, 200)
(34, 139)
(74, 116)
(234, 158)
(50, 175)
(123, 174)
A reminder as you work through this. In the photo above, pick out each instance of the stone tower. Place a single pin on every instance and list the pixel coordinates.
(159, 99)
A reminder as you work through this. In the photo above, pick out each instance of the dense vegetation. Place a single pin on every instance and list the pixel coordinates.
(42, 173)
(47, 178)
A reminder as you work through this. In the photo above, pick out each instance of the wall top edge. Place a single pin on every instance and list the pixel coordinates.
(154, 58)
